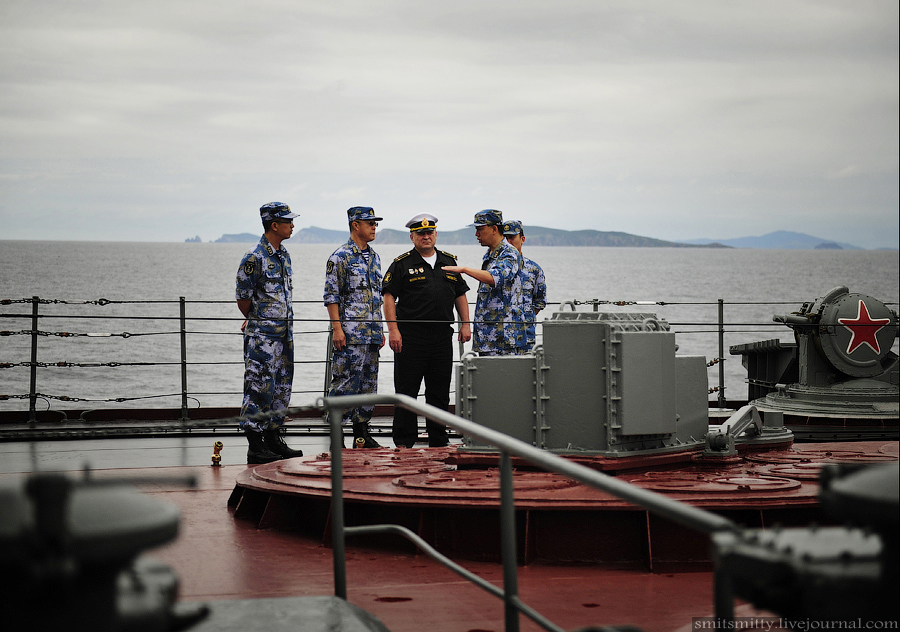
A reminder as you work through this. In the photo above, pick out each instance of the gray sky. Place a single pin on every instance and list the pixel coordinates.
(162, 120)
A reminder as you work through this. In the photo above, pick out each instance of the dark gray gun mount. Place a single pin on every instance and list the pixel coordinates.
(839, 367)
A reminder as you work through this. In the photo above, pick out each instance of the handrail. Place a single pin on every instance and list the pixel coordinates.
(719, 327)
(679, 512)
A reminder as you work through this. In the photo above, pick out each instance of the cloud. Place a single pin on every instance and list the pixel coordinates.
(845, 172)
(640, 116)
(351, 193)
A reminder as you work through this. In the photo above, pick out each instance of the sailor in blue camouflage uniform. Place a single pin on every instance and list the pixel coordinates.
(263, 294)
(534, 286)
(499, 312)
(353, 299)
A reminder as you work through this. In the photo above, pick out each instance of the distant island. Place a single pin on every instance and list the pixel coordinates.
(781, 240)
(540, 236)
(536, 235)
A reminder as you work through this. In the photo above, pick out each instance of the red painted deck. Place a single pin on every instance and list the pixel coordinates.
(456, 510)
(221, 558)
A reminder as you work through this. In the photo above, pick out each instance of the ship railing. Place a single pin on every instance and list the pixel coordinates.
(674, 510)
(186, 331)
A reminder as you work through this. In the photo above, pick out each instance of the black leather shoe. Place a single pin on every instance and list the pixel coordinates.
(275, 443)
(258, 453)
(362, 438)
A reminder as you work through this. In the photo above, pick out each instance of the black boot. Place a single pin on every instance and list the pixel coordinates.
(362, 438)
(275, 443)
(258, 452)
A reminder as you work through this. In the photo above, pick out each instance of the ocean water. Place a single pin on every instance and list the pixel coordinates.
(143, 282)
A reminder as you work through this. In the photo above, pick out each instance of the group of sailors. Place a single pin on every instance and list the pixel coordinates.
(416, 298)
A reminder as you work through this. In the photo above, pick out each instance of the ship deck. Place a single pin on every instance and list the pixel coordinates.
(220, 559)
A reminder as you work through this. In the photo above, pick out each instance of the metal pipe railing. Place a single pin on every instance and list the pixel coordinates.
(722, 401)
(35, 316)
(184, 383)
(32, 396)
(679, 512)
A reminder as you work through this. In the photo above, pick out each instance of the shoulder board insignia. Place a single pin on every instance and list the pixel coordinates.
(405, 254)
(270, 250)
(451, 255)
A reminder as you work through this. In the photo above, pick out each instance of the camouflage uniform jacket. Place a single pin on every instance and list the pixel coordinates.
(355, 286)
(534, 288)
(499, 310)
(264, 279)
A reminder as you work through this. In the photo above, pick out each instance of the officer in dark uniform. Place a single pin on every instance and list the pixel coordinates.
(419, 297)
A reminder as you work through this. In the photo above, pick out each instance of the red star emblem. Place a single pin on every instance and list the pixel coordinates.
(863, 329)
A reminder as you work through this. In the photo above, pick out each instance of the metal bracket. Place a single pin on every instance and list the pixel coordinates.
(721, 442)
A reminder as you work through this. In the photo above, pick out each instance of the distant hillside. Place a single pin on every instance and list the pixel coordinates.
(314, 235)
(239, 238)
(536, 236)
(781, 239)
(539, 236)
(311, 235)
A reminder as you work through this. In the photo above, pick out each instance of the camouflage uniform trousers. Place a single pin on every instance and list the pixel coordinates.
(505, 351)
(354, 371)
(268, 376)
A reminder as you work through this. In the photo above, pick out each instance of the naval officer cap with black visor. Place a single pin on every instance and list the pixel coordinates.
(275, 210)
(362, 213)
(487, 217)
(422, 224)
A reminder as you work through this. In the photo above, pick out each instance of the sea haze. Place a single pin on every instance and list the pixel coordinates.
(755, 285)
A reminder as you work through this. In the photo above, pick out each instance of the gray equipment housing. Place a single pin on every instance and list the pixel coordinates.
(840, 365)
(604, 383)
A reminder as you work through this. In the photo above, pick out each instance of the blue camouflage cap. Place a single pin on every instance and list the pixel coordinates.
(362, 212)
(275, 210)
(513, 227)
(488, 217)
